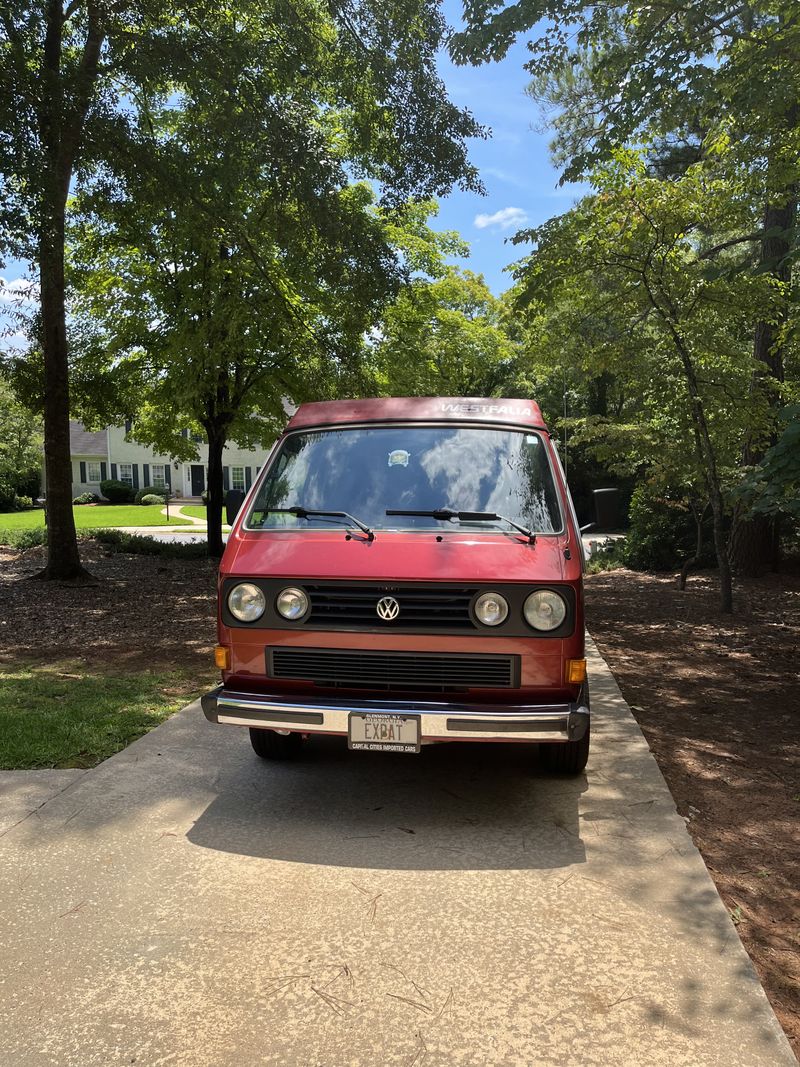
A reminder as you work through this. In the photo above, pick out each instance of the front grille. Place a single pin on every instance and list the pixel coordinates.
(350, 606)
(357, 669)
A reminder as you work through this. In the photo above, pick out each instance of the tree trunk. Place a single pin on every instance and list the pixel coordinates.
(61, 119)
(694, 561)
(754, 537)
(216, 443)
(63, 559)
(707, 461)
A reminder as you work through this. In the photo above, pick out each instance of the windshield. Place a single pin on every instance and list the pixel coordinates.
(367, 470)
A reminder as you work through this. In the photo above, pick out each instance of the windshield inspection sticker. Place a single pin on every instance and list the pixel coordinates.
(399, 458)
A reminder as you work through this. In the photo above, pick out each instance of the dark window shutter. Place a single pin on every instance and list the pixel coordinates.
(114, 471)
(226, 478)
(146, 475)
(83, 471)
(103, 472)
(128, 425)
(184, 433)
(167, 476)
(135, 468)
(248, 477)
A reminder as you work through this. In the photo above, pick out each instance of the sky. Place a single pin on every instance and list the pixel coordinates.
(514, 163)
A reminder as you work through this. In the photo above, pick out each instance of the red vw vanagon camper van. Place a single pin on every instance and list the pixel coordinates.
(406, 571)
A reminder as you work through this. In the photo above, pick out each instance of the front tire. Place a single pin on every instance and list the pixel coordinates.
(269, 745)
(567, 757)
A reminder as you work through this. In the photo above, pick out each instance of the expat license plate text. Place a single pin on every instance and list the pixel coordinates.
(384, 732)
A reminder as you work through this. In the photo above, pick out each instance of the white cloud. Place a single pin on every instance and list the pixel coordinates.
(19, 291)
(13, 344)
(503, 219)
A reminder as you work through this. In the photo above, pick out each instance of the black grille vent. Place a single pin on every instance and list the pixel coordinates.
(352, 607)
(394, 670)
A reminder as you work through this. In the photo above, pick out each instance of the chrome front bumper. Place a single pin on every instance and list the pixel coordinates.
(438, 721)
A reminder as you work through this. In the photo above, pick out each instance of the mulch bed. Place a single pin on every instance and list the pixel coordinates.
(141, 610)
(717, 698)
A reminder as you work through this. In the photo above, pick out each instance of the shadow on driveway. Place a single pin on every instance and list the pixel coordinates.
(452, 807)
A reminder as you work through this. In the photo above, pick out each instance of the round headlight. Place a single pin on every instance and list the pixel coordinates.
(292, 603)
(246, 602)
(545, 610)
(491, 609)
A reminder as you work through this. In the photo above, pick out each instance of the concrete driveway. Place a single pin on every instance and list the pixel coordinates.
(187, 904)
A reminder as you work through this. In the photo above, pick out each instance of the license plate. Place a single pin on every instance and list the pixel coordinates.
(381, 732)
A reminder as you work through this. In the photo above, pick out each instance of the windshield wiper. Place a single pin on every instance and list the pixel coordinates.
(445, 514)
(305, 513)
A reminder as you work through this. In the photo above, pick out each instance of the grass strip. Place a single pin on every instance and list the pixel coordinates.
(95, 516)
(72, 714)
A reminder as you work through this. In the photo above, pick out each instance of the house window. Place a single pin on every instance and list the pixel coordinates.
(159, 479)
(93, 472)
(126, 473)
(198, 438)
(237, 478)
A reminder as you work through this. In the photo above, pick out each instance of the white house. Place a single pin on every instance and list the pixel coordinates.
(107, 453)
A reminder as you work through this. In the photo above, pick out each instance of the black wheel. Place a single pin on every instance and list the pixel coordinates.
(568, 757)
(269, 745)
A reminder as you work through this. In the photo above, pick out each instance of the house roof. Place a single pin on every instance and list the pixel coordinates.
(83, 442)
(418, 409)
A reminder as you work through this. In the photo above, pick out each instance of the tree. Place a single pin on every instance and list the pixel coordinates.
(79, 81)
(229, 288)
(690, 82)
(446, 336)
(645, 239)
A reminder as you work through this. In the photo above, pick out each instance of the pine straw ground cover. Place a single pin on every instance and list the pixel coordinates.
(718, 700)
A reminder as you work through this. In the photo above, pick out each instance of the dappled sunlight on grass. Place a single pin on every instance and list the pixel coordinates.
(69, 714)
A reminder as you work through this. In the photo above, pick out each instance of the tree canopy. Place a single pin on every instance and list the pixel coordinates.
(86, 89)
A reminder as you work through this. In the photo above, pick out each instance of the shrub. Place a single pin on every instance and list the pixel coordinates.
(24, 539)
(151, 490)
(116, 492)
(8, 497)
(22, 503)
(662, 531)
(86, 498)
(140, 545)
(609, 556)
(151, 498)
(28, 482)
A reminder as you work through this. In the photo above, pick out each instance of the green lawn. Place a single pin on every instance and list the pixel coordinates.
(88, 517)
(196, 510)
(199, 512)
(68, 714)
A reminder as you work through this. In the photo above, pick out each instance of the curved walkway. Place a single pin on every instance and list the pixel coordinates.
(176, 511)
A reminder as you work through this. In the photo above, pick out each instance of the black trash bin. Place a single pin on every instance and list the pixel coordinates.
(607, 509)
(233, 501)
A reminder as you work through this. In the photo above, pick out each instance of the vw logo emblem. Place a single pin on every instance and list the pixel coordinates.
(387, 608)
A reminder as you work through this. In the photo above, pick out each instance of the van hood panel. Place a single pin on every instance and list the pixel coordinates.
(418, 557)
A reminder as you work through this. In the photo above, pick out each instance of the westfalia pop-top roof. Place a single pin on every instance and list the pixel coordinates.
(418, 409)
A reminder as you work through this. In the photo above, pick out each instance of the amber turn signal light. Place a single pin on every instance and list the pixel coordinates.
(575, 670)
(222, 657)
